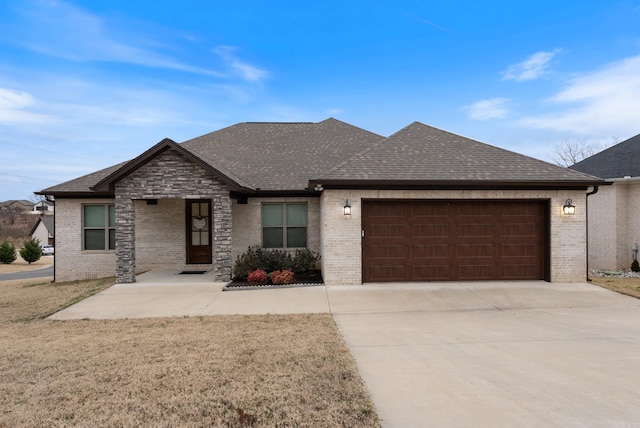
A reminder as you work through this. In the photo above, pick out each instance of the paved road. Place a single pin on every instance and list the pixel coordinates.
(39, 273)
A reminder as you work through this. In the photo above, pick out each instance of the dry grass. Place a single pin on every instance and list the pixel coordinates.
(206, 371)
(628, 286)
(20, 265)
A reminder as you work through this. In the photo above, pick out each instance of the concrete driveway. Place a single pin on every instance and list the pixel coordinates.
(526, 354)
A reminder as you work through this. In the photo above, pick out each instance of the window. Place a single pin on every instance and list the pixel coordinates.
(284, 225)
(99, 227)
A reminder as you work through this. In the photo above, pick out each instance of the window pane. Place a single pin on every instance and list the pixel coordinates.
(296, 237)
(272, 237)
(112, 216)
(94, 217)
(204, 237)
(94, 239)
(112, 239)
(195, 238)
(271, 215)
(297, 214)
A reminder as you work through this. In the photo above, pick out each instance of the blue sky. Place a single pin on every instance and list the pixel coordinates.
(87, 84)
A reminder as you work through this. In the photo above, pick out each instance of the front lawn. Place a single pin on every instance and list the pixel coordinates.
(628, 286)
(292, 370)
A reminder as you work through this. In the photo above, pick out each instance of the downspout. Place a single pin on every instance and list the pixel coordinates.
(50, 199)
(593, 192)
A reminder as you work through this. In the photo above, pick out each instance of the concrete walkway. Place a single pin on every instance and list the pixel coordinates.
(443, 354)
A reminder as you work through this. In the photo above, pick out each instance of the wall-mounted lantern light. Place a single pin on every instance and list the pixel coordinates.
(568, 208)
(347, 207)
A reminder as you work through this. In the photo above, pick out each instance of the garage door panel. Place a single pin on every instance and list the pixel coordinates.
(393, 230)
(514, 250)
(519, 271)
(476, 230)
(436, 240)
(476, 271)
(523, 230)
(430, 251)
(477, 250)
(436, 230)
(388, 251)
(431, 272)
(387, 273)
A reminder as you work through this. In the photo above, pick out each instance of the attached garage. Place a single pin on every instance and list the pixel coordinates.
(455, 240)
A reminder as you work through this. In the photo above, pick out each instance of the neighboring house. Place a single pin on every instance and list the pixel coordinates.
(42, 207)
(421, 205)
(614, 211)
(43, 230)
(18, 206)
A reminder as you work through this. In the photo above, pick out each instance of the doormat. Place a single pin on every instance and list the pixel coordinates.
(192, 272)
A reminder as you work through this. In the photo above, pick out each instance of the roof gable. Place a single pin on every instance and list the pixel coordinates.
(107, 183)
(47, 221)
(421, 154)
(619, 161)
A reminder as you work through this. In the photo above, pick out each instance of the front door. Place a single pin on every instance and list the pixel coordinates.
(198, 231)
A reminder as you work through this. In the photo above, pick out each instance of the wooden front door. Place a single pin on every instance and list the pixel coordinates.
(453, 240)
(199, 248)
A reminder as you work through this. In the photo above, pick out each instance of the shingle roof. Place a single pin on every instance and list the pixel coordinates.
(272, 157)
(281, 156)
(425, 154)
(262, 155)
(81, 184)
(618, 161)
(48, 222)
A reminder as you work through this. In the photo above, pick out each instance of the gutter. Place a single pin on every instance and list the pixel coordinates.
(593, 192)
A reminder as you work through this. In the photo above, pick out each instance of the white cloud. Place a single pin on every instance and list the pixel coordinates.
(246, 71)
(604, 102)
(335, 111)
(13, 108)
(61, 30)
(530, 69)
(493, 108)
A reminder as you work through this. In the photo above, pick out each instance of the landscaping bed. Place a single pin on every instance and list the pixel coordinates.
(305, 279)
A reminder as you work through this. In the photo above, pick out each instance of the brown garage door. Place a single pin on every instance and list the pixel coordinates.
(446, 240)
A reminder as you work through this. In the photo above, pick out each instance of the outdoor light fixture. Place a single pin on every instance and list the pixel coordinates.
(347, 207)
(568, 208)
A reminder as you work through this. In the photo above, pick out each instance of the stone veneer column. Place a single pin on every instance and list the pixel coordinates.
(222, 227)
(125, 240)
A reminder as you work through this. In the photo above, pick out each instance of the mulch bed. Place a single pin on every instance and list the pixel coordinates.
(306, 279)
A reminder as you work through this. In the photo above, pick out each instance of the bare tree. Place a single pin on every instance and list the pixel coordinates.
(570, 152)
(13, 214)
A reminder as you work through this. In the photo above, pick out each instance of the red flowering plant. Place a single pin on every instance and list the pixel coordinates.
(282, 277)
(257, 277)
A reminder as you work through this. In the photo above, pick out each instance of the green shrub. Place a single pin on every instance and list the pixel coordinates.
(635, 266)
(271, 260)
(7, 252)
(305, 260)
(257, 257)
(31, 251)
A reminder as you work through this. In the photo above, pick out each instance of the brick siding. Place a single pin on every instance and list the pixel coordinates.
(340, 237)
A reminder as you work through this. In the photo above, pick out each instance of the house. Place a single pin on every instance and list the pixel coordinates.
(18, 206)
(43, 230)
(420, 205)
(42, 207)
(614, 222)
